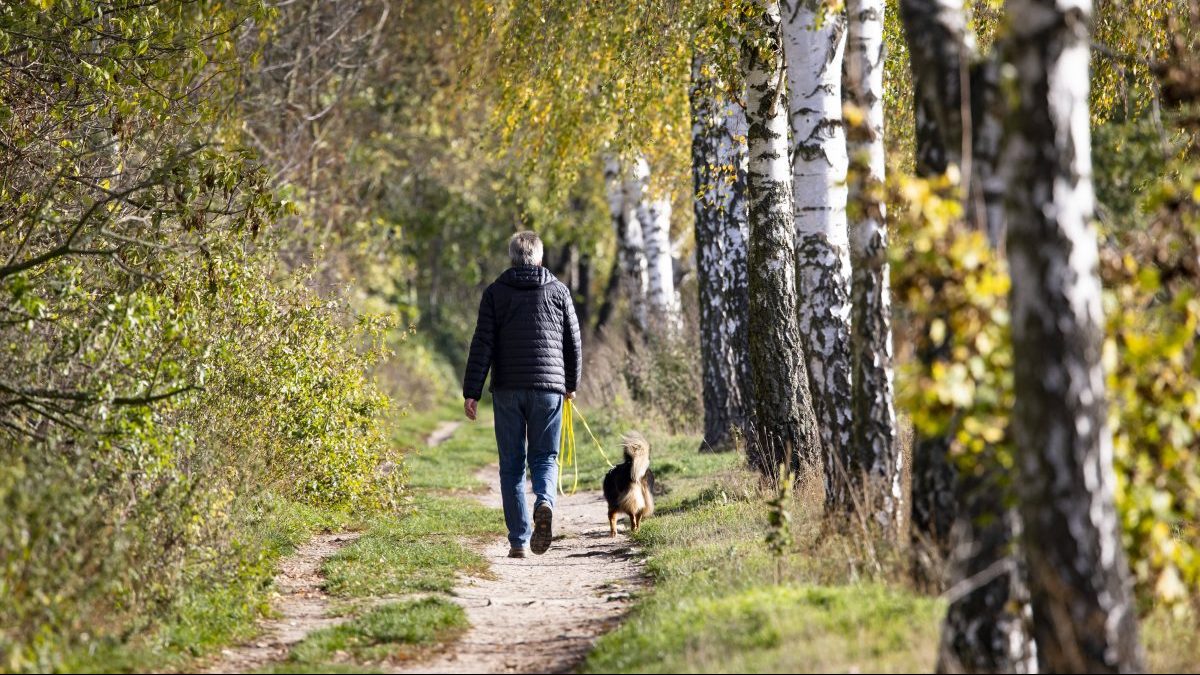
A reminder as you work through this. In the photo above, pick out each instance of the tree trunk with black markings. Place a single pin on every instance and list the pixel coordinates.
(621, 187)
(813, 45)
(719, 178)
(877, 479)
(785, 428)
(1083, 614)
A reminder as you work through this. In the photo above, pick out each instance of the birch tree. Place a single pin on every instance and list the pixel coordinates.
(785, 425)
(719, 180)
(813, 45)
(874, 394)
(1083, 615)
(621, 189)
(653, 213)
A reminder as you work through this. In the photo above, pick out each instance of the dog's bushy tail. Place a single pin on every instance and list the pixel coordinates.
(637, 452)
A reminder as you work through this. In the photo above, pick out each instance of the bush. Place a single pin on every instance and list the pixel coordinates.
(161, 373)
(107, 524)
(654, 377)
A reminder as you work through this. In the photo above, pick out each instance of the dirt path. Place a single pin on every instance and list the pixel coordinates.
(300, 608)
(442, 433)
(537, 615)
(542, 614)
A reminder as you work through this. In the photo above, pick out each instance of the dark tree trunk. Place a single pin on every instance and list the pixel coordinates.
(583, 294)
(988, 621)
(612, 291)
(1083, 614)
(785, 427)
(719, 177)
(936, 34)
(936, 37)
(934, 506)
(963, 520)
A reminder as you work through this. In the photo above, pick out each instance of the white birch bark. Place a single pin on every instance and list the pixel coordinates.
(719, 179)
(1083, 614)
(874, 392)
(785, 426)
(813, 45)
(620, 185)
(654, 215)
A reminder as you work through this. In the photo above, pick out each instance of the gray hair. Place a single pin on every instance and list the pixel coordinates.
(525, 248)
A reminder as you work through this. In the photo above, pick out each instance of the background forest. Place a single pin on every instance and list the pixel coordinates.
(242, 246)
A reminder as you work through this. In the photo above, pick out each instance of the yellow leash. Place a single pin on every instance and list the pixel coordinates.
(566, 445)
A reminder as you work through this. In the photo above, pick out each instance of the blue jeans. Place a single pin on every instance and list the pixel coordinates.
(535, 415)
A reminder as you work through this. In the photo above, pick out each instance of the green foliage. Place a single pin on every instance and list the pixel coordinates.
(161, 370)
(662, 375)
(220, 607)
(953, 291)
(1153, 364)
(779, 520)
(116, 520)
(607, 74)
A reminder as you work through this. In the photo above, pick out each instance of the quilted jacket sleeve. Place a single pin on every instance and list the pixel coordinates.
(572, 345)
(479, 361)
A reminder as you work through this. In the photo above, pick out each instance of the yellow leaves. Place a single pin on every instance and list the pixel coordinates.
(953, 384)
(937, 331)
(1170, 587)
(853, 115)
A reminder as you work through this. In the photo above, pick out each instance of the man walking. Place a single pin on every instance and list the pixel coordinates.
(528, 336)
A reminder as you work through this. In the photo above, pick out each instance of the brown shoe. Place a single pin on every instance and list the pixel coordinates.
(518, 552)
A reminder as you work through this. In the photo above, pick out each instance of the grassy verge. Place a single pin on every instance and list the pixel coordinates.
(420, 552)
(722, 603)
(395, 631)
(213, 613)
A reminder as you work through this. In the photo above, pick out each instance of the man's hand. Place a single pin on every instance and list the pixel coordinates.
(471, 408)
(570, 396)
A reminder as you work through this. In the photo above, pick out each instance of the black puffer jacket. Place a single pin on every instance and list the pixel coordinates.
(527, 334)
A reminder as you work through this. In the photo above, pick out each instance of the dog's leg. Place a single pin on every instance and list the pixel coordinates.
(634, 522)
(612, 523)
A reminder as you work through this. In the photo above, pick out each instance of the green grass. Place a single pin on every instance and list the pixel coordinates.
(768, 628)
(396, 631)
(721, 603)
(213, 613)
(420, 552)
(452, 465)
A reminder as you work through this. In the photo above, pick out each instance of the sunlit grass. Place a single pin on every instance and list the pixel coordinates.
(397, 630)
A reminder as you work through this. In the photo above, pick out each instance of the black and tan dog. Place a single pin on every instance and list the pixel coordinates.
(629, 486)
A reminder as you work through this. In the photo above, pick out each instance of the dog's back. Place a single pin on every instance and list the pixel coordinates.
(629, 486)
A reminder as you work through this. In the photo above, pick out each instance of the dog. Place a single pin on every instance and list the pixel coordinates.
(629, 486)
